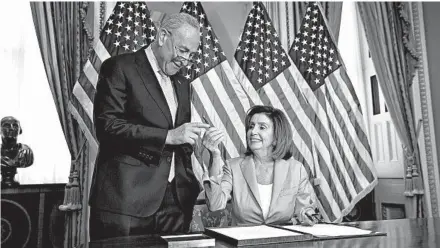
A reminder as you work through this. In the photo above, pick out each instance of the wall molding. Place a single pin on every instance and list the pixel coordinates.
(422, 98)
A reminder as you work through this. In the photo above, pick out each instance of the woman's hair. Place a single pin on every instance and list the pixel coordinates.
(283, 147)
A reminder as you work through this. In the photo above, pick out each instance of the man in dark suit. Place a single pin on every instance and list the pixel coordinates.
(143, 181)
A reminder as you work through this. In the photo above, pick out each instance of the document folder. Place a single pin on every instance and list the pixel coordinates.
(190, 240)
(332, 231)
(256, 235)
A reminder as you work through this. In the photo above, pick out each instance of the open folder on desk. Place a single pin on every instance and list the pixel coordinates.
(332, 231)
(256, 235)
(188, 240)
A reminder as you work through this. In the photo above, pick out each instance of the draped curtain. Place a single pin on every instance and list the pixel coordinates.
(64, 46)
(391, 42)
(287, 16)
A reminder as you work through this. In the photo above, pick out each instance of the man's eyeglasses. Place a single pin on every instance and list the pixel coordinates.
(180, 52)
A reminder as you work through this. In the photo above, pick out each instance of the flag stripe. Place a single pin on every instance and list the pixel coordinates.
(327, 193)
(96, 63)
(217, 95)
(347, 165)
(329, 121)
(353, 118)
(355, 107)
(229, 91)
(196, 160)
(91, 74)
(247, 86)
(325, 205)
(304, 147)
(315, 127)
(354, 129)
(226, 106)
(87, 86)
(84, 100)
(351, 162)
(235, 91)
(101, 51)
(291, 113)
(201, 97)
(335, 184)
(270, 97)
(319, 122)
(327, 177)
(257, 98)
(85, 118)
(222, 109)
(84, 126)
(324, 210)
(343, 78)
(320, 105)
(354, 147)
(363, 156)
(317, 102)
(197, 110)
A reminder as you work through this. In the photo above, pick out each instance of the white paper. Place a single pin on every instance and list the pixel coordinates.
(254, 232)
(183, 235)
(329, 230)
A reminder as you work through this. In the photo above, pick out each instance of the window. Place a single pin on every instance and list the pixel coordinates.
(25, 94)
(375, 95)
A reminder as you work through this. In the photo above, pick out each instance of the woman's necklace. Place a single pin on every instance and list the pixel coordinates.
(264, 173)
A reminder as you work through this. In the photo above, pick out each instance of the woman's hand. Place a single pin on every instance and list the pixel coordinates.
(212, 139)
(308, 218)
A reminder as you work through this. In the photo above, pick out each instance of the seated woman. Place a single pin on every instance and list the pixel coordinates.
(266, 185)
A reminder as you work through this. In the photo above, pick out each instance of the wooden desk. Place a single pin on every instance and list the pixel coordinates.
(404, 233)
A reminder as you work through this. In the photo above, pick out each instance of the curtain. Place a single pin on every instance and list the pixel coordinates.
(64, 44)
(391, 42)
(24, 93)
(286, 18)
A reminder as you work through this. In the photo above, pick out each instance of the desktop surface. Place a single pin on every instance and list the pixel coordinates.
(402, 233)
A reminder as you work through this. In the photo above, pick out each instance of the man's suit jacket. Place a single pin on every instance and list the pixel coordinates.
(132, 119)
(292, 192)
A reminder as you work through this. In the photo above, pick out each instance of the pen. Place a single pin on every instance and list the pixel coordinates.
(310, 217)
(206, 121)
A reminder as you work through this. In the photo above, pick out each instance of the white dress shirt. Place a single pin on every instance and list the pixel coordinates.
(168, 91)
(265, 197)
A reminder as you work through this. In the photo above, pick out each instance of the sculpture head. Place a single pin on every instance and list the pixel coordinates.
(10, 128)
(13, 155)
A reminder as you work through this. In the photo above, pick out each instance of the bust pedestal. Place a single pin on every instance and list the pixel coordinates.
(30, 216)
(8, 177)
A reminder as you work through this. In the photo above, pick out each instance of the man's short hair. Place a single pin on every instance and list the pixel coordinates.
(174, 21)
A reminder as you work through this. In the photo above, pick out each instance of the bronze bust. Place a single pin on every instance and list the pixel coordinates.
(13, 154)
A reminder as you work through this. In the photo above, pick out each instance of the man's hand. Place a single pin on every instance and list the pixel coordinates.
(186, 133)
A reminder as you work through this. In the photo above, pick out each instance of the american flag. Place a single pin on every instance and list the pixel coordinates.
(217, 96)
(128, 28)
(314, 91)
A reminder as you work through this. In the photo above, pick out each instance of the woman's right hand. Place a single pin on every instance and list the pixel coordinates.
(212, 139)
